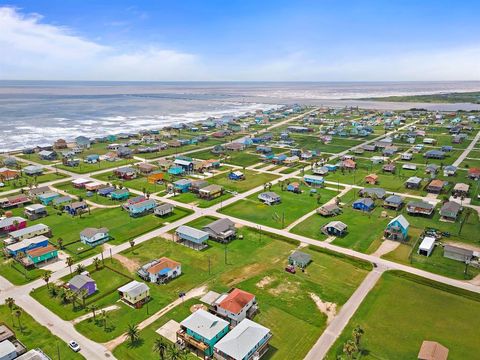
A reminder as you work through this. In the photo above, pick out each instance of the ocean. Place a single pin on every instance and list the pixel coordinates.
(38, 112)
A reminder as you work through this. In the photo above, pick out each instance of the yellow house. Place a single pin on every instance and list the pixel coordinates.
(135, 293)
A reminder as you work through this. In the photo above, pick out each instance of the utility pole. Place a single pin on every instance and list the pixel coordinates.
(226, 260)
(209, 265)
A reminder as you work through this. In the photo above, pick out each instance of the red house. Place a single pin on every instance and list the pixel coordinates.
(13, 223)
(474, 173)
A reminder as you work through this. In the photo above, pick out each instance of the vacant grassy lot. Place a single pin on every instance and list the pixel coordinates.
(16, 273)
(420, 312)
(84, 168)
(191, 198)
(242, 158)
(140, 183)
(25, 181)
(435, 263)
(292, 207)
(252, 180)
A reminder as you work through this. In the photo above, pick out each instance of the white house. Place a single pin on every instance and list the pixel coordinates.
(235, 306)
(93, 236)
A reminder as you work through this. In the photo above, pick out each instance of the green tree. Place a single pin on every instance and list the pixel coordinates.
(160, 346)
(96, 263)
(133, 333)
(18, 315)
(69, 261)
(350, 349)
(10, 302)
(357, 334)
(79, 269)
(46, 277)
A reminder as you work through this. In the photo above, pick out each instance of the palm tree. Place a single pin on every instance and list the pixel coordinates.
(133, 333)
(161, 347)
(357, 335)
(468, 213)
(69, 262)
(60, 243)
(79, 269)
(104, 319)
(93, 308)
(174, 353)
(350, 349)
(18, 314)
(82, 294)
(46, 277)
(71, 297)
(10, 302)
(96, 263)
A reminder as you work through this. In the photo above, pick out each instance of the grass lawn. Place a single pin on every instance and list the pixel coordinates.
(122, 227)
(191, 198)
(140, 183)
(435, 263)
(252, 180)
(402, 311)
(203, 154)
(242, 158)
(285, 304)
(84, 168)
(26, 181)
(16, 273)
(33, 335)
(470, 163)
(292, 207)
(108, 281)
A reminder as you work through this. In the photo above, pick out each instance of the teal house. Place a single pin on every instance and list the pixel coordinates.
(41, 255)
(397, 229)
(121, 194)
(201, 331)
(48, 197)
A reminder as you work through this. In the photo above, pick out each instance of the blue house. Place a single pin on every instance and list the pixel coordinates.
(314, 180)
(192, 237)
(397, 229)
(331, 167)
(364, 204)
(186, 165)
(120, 194)
(236, 175)
(76, 208)
(92, 159)
(27, 244)
(60, 200)
(106, 190)
(142, 207)
(182, 185)
(48, 197)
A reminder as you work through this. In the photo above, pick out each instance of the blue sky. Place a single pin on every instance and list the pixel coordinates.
(240, 40)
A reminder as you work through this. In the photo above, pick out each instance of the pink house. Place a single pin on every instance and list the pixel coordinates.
(13, 223)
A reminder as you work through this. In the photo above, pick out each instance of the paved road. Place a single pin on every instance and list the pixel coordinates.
(336, 326)
(467, 150)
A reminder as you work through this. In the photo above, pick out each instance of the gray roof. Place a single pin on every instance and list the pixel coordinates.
(269, 195)
(164, 207)
(450, 207)
(414, 180)
(33, 354)
(220, 225)
(204, 324)
(39, 190)
(190, 231)
(458, 250)
(301, 257)
(420, 204)
(79, 281)
(28, 230)
(6, 349)
(394, 199)
(379, 192)
(134, 288)
(366, 201)
(242, 339)
(340, 226)
(90, 232)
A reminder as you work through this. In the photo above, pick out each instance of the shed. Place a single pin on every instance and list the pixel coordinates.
(432, 350)
(299, 258)
(427, 246)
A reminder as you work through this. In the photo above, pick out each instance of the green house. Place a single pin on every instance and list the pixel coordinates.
(43, 254)
(121, 194)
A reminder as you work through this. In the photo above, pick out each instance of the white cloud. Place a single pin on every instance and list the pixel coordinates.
(35, 50)
(32, 49)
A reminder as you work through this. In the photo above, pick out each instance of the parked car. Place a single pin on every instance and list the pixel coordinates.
(74, 346)
(290, 269)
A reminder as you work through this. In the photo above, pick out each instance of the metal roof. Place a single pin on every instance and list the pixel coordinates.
(204, 324)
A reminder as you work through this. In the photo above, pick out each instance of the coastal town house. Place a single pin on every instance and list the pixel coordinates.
(235, 306)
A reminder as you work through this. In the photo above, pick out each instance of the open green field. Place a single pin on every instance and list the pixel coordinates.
(33, 335)
(252, 180)
(242, 158)
(122, 227)
(470, 162)
(402, 311)
(292, 207)
(16, 273)
(25, 181)
(284, 299)
(436, 263)
(455, 97)
(85, 168)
